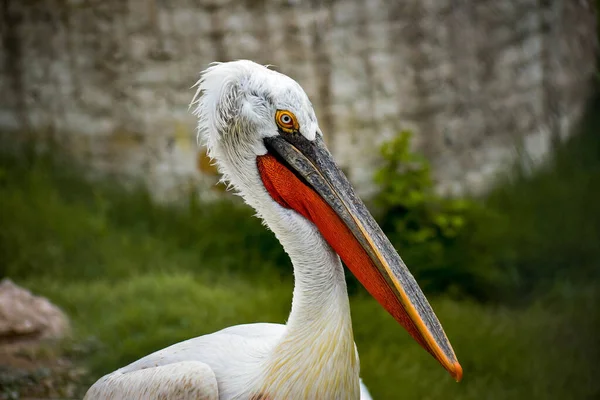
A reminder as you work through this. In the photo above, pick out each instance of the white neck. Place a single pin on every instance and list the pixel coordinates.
(316, 358)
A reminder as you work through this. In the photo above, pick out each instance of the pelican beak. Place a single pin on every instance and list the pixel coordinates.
(301, 174)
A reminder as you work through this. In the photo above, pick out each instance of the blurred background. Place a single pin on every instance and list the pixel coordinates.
(470, 128)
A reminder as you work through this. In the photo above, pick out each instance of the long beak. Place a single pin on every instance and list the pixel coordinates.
(301, 174)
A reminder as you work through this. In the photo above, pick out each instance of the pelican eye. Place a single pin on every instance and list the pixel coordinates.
(286, 121)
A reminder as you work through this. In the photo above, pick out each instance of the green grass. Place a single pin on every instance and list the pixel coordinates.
(546, 351)
(135, 276)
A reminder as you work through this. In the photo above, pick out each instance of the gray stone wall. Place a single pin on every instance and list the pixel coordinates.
(474, 79)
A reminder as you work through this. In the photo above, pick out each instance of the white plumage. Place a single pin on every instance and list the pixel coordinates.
(241, 362)
(281, 168)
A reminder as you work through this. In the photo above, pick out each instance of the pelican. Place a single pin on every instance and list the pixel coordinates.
(260, 128)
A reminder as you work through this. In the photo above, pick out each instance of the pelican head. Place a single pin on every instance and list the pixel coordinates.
(261, 129)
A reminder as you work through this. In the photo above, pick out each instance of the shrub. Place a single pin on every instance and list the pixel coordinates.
(531, 229)
(426, 228)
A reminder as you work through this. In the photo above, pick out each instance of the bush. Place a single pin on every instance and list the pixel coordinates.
(530, 230)
(426, 228)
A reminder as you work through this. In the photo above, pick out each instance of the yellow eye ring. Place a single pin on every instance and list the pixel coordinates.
(286, 121)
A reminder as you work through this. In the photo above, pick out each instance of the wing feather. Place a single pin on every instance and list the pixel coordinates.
(207, 367)
(178, 381)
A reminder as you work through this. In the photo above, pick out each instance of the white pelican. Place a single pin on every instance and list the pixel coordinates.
(261, 129)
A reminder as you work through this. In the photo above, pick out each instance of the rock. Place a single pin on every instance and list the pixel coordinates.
(26, 318)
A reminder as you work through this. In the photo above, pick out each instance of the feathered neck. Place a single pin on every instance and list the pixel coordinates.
(316, 357)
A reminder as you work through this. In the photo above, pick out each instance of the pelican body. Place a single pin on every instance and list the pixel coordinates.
(260, 128)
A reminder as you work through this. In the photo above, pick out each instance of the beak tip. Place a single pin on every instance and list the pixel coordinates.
(456, 372)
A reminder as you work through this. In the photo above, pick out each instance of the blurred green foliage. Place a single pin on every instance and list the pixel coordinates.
(424, 226)
(552, 212)
(538, 224)
(410, 203)
(106, 230)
